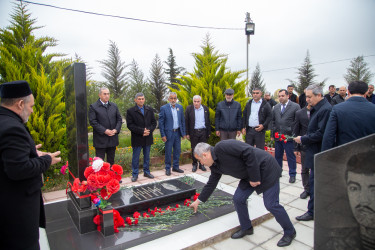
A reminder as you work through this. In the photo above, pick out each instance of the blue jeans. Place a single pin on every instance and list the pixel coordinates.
(146, 159)
(271, 202)
(173, 142)
(280, 146)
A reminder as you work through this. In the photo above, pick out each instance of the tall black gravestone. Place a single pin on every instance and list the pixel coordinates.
(79, 205)
(345, 196)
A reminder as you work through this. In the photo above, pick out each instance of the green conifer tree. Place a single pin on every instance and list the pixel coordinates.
(23, 56)
(256, 80)
(358, 71)
(210, 79)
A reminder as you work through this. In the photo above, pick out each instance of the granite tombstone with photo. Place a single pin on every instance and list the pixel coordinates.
(345, 196)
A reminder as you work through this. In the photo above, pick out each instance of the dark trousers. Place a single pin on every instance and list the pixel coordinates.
(310, 205)
(254, 137)
(271, 202)
(305, 173)
(225, 135)
(101, 152)
(199, 135)
(280, 146)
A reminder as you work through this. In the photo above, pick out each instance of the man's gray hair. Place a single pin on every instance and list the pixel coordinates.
(371, 85)
(197, 96)
(316, 89)
(202, 148)
(172, 93)
(103, 88)
(139, 95)
(8, 102)
(267, 93)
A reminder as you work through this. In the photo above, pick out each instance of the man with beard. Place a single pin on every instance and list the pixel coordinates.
(21, 169)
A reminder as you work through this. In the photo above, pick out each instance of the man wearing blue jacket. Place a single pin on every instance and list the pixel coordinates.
(172, 128)
(228, 117)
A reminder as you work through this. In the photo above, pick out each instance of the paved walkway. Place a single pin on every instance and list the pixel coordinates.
(267, 234)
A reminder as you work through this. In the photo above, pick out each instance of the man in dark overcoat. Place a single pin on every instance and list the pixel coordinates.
(320, 111)
(257, 170)
(106, 122)
(141, 122)
(21, 169)
(198, 126)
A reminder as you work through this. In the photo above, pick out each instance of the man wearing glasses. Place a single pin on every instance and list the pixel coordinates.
(256, 117)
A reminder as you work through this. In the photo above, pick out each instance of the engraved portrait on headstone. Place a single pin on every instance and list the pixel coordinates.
(345, 196)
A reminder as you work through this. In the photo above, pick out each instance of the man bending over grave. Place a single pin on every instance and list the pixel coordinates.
(258, 171)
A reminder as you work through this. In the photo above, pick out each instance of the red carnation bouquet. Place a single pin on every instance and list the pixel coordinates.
(102, 181)
(283, 137)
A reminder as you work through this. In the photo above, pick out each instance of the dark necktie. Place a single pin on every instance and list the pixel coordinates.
(105, 105)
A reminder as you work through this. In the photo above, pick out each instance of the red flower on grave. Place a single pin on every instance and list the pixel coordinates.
(283, 136)
(88, 171)
(128, 220)
(177, 205)
(196, 196)
(113, 186)
(97, 219)
(145, 215)
(277, 135)
(117, 168)
(104, 194)
(102, 180)
(265, 148)
(136, 215)
(135, 222)
(91, 180)
(106, 166)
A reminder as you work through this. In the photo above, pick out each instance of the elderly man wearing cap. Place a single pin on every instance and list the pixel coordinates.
(228, 117)
(21, 167)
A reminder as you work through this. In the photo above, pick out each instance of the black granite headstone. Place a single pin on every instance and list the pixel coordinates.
(345, 196)
(79, 205)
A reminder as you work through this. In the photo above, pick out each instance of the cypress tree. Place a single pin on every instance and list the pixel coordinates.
(158, 83)
(358, 71)
(256, 80)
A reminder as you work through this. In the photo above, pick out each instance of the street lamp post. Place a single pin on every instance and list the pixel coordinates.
(249, 30)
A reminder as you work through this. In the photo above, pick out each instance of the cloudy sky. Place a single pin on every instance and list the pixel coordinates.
(334, 31)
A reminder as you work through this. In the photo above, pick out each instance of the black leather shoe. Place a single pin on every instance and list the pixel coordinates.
(194, 168)
(148, 175)
(177, 170)
(292, 179)
(305, 217)
(286, 240)
(202, 167)
(168, 172)
(134, 178)
(239, 234)
(304, 195)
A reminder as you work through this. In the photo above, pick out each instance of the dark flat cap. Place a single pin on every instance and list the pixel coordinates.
(15, 89)
(229, 92)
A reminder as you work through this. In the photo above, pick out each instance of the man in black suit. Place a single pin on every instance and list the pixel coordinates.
(313, 138)
(141, 122)
(256, 117)
(257, 170)
(21, 169)
(198, 126)
(283, 117)
(350, 120)
(300, 128)
(106, 121)
(332, 93)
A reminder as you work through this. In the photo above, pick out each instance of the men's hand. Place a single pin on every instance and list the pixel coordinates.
(244, 131)
(259, 128)
(146, 132)
(188, 137)
(54, 157)
(108, 132)
(238, 133)
(164, 138)
(217, 133)
(297, 139)
(40, 153)
(194, 205)
(254, 184)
